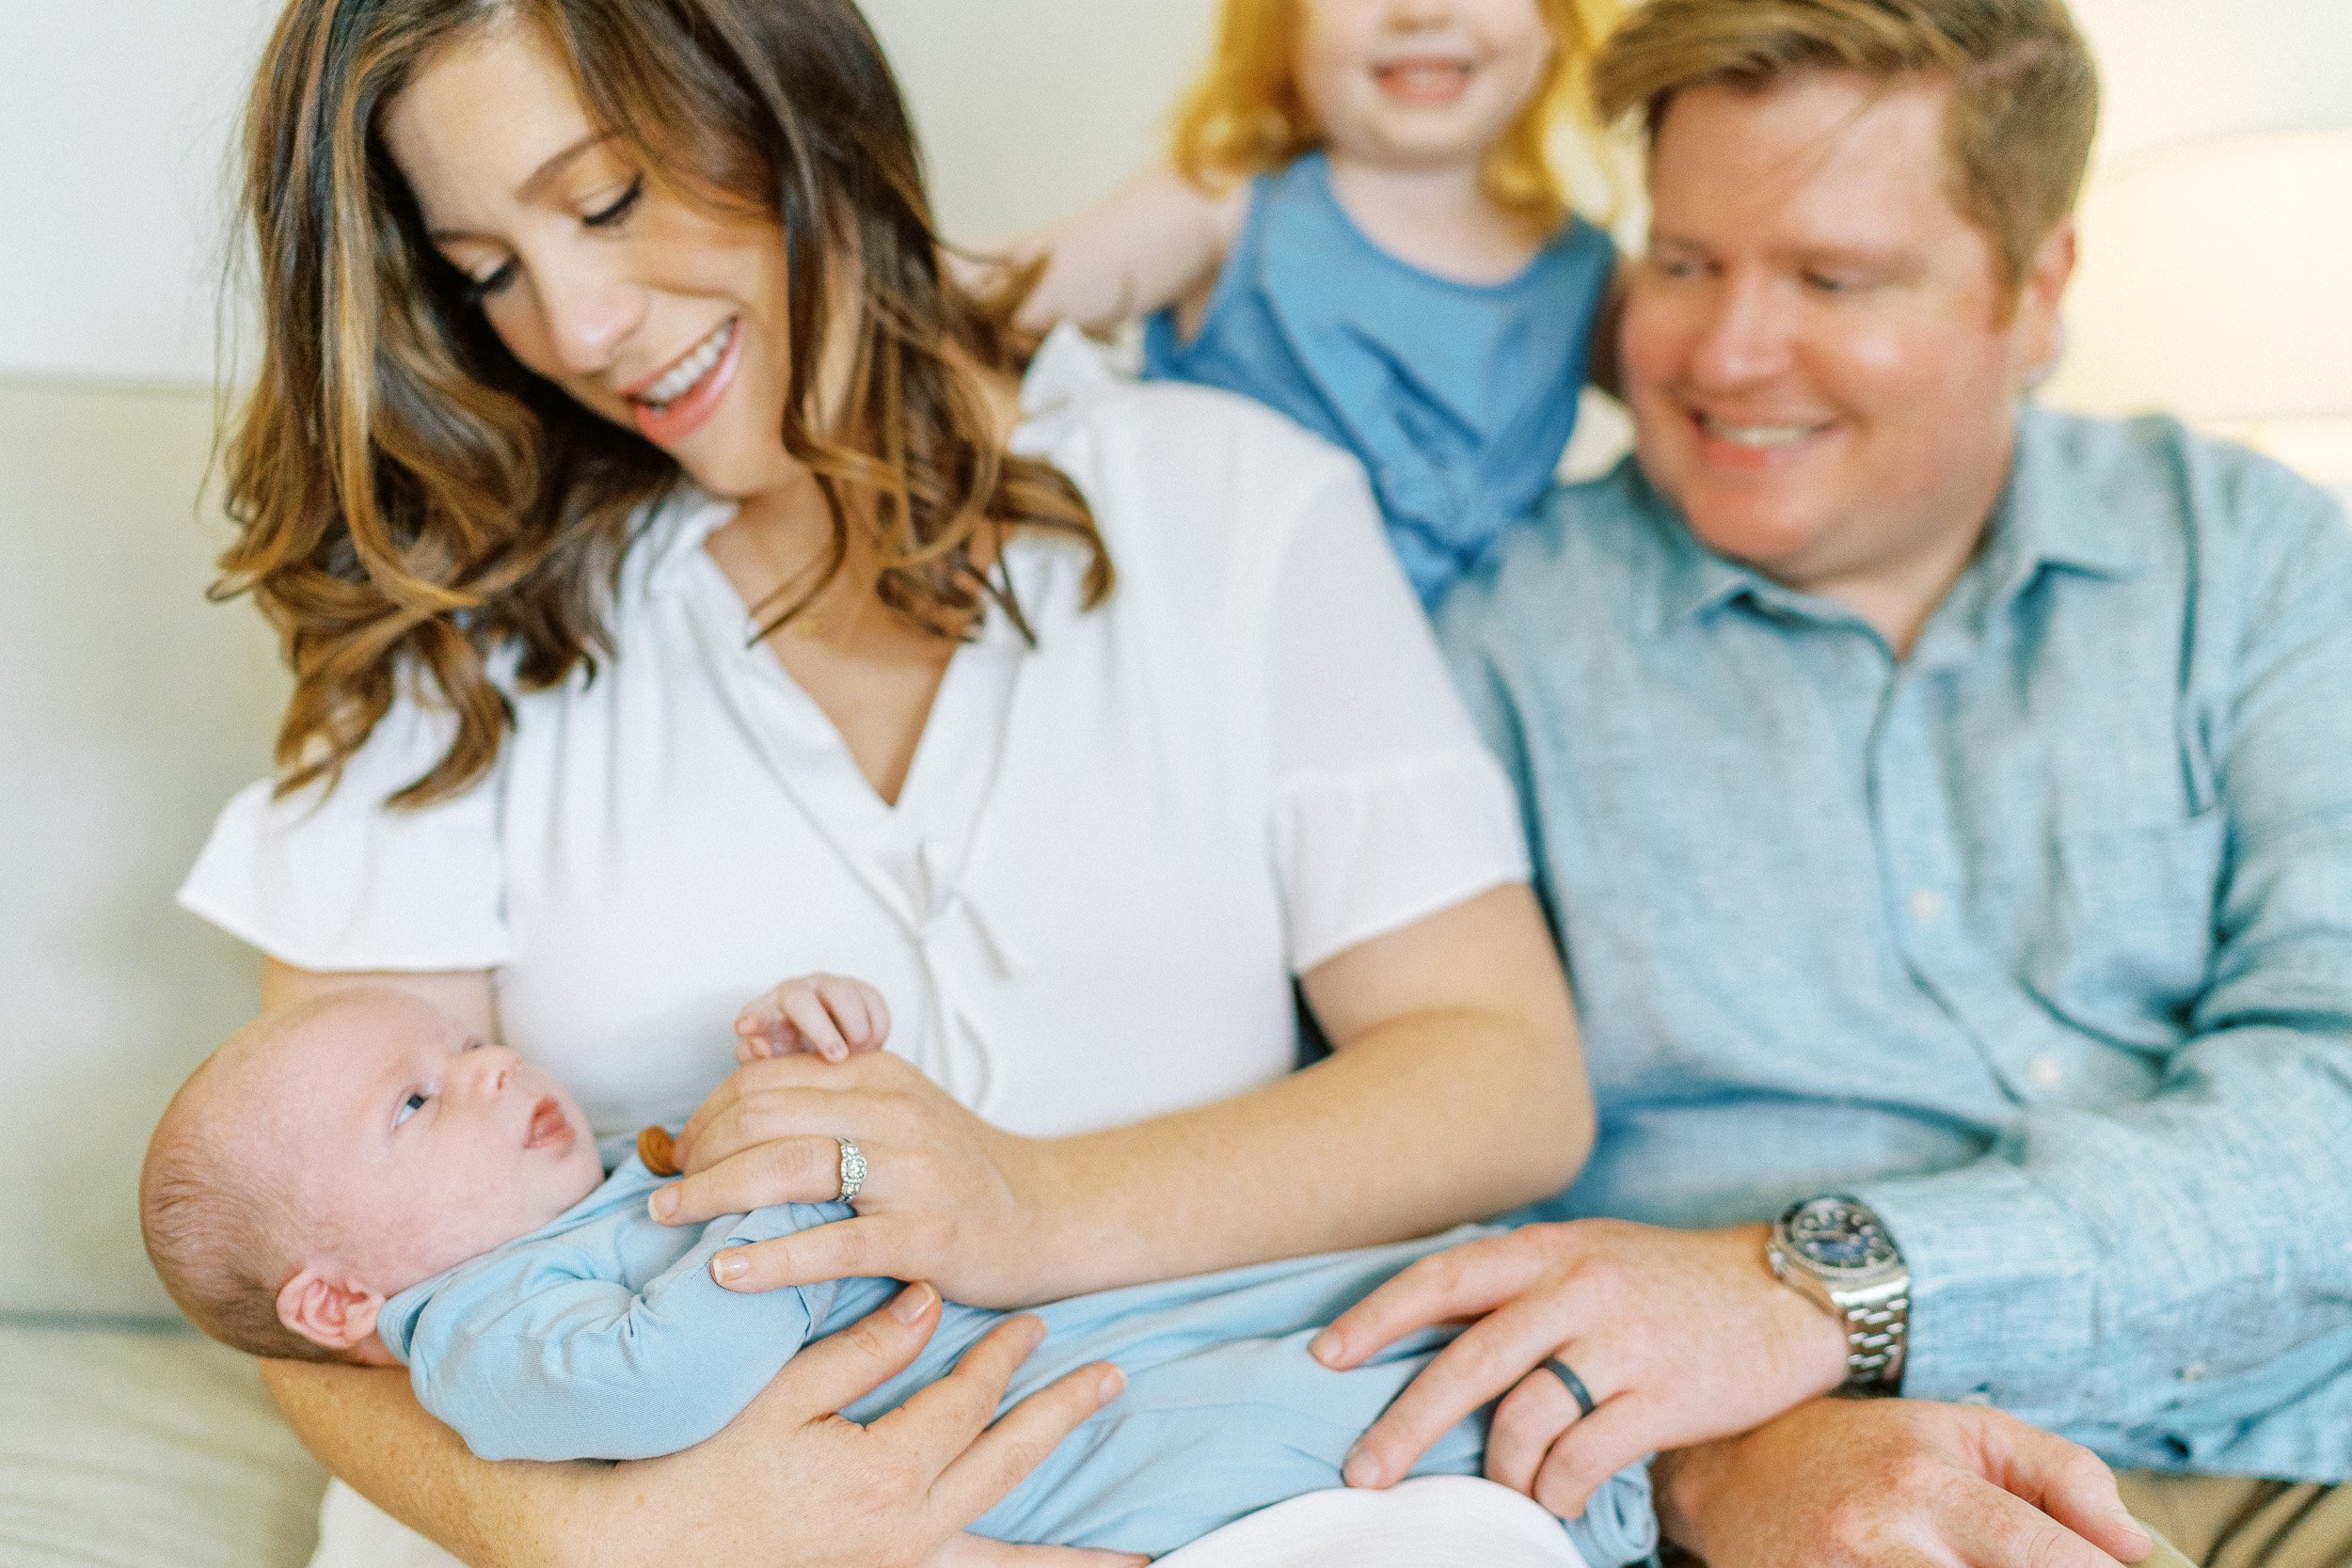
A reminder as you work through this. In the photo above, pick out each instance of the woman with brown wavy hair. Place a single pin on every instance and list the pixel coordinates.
(681, 591)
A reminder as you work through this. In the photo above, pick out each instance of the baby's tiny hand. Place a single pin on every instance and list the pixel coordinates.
(827, 1015)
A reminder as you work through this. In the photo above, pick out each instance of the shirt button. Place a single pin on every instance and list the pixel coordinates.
(1977, 1396)
(2047, 1073)
(2194, 1372)
(1926, 905)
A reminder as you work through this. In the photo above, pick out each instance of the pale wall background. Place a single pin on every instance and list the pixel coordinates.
(115, 117)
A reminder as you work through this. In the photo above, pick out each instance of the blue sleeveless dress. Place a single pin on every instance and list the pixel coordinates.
(1457, 397)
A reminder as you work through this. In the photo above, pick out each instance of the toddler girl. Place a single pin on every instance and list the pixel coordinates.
(1361, 228)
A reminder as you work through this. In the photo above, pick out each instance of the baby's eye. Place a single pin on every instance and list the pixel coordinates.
(409, 1107)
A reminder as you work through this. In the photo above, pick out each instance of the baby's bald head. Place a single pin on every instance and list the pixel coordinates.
(220, 1194)
(339, 1151)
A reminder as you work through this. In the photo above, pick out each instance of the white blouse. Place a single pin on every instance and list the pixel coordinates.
(1112, 852)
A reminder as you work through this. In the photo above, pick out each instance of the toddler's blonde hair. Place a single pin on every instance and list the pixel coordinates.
(1245, 115)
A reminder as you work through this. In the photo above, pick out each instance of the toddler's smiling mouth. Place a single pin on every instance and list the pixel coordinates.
(1425, 79)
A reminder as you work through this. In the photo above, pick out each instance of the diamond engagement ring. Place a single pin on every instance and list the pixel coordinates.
(853, 1169)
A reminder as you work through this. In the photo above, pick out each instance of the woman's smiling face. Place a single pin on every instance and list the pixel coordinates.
(654, 312)
(1419, 84)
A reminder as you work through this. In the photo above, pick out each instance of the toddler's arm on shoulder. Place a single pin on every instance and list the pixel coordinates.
(1157, 240)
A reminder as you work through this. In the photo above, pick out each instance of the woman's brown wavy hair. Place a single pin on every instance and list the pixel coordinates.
(413, 504)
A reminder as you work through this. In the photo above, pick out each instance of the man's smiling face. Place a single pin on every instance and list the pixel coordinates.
(1821, 356)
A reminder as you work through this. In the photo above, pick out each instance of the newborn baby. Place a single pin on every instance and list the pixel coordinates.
(357, 1179)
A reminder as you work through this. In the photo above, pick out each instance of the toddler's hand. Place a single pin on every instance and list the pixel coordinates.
(825, 1015)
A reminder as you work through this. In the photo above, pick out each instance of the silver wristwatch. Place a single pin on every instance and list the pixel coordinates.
(1835, 1251)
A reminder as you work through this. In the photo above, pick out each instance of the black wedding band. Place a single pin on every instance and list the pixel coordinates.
(1573, 1384)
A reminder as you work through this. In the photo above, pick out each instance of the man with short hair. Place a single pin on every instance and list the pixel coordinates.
(1945, 808)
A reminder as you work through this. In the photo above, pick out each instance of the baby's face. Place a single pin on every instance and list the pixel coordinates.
(1421, 86)
(418, 1145)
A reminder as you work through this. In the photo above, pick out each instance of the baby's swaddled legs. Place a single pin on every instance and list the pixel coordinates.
(1202, 1439)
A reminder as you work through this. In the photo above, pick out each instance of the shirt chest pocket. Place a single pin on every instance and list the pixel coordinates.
(2126, 942)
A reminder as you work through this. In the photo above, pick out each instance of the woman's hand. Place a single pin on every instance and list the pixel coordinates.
(892, 1494)
(946, 1199)
(1678, 1336)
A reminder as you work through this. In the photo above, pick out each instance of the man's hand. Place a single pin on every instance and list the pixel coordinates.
(1679, 1337)
(1895, 1483)
(823, 1015)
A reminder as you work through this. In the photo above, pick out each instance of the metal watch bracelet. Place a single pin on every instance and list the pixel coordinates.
(1874, 1346)
(1833, 1249)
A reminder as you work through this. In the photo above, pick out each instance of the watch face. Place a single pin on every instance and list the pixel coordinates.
(1840, 1235)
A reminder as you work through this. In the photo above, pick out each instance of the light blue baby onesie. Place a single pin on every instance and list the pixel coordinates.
(601, 1336)
(1458, 398)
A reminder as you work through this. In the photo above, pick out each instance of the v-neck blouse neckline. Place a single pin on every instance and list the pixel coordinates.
(973, 702)
(913, 856)
(982, 672)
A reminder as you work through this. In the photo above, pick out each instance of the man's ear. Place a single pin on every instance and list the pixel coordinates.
(329, 1309)
(2041, 329)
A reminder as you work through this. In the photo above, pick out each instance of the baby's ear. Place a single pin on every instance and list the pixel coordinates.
(332, 1311)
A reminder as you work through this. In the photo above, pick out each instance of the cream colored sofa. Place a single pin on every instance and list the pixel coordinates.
(129, 710)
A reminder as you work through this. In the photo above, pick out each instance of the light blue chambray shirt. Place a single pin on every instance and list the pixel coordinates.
(2039, 941)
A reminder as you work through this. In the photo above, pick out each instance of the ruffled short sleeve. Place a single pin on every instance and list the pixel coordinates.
(1387, 805)
(334, 880)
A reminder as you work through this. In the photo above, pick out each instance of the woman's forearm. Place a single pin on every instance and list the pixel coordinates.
(786, 1484)
(1457, 1090)
(365, 1425)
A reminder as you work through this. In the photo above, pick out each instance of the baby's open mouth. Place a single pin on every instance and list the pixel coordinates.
(549, 1125)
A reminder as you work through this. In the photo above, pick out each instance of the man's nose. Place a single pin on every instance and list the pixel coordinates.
(1745, 336)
